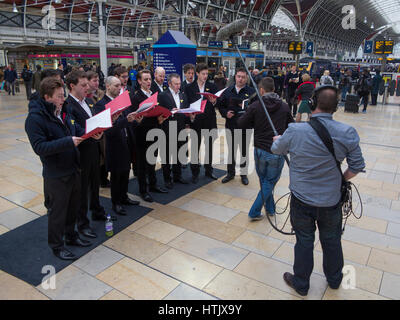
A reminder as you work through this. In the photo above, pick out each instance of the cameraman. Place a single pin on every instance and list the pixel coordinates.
(315, 184)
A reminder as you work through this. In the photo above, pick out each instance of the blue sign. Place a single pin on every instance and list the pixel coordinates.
(244, 47)
(368, 46)
(142, 56)
(50, 42)
(173, 51)
(310, 47)
(145, 46)
(215, 44)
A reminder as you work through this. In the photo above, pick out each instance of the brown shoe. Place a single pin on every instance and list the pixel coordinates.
(288, 277)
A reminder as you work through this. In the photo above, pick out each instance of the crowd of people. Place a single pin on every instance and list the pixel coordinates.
(75, 168)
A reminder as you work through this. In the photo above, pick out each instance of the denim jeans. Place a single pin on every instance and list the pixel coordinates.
(269, 167)
(344, 93)
(329, 221)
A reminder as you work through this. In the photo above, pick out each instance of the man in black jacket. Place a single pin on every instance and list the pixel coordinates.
(144, 167)
(206, 120)
(268, 165)
(117, 149)
(292, 81)
(172, 99)
(188, 71)
(157, 85)
(230, 107)
(54, 136)
(82, 108)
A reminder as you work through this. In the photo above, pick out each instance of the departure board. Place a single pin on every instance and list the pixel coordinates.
(389, 44)
(384, 47)
(295, 47)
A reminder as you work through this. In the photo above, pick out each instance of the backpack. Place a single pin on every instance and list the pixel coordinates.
(327, 81)
(26, 75)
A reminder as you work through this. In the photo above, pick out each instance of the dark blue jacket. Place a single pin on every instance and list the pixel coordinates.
(10, 75)
(51, 139)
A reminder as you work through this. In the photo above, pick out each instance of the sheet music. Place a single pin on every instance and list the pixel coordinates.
(100, 120)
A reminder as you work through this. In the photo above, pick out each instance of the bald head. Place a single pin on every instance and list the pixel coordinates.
(327, 101)
(113, 86)
(159, 75)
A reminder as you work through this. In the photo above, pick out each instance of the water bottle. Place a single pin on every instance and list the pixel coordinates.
(109, 226)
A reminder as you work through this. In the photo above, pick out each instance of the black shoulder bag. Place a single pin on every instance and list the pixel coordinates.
(326, 138)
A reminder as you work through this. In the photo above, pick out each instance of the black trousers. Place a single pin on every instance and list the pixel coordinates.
(195, 168)
(119, 186)
(329, 221)
(374, 98)
(144, 168)
(28, 88)
(90, 184)
(365, 98)
(244, 150)
(62, 200)
(170, 159)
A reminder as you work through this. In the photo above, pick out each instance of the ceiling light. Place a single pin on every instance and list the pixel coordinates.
(142, 26)
(15, 7)
(243, 3)
(365, 20)
(132, 13)
(252, 2)
(57, 1)
(90, 19)
(372, 26)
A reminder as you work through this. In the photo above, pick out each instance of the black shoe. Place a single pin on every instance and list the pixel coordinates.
(130, 202)
(195, 179)
(288, 277)
(64, 254)
(180, 180)
(158, 189)
(245, 181)
(228, 178)
(146, 197)
(105, 184)
(119, 210)
(184, 166)
(88, 233)
(169, 185)
(103, 217)
(211, 175)
(78, 242)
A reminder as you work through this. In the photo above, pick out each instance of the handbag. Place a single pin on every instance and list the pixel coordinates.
(326, 138)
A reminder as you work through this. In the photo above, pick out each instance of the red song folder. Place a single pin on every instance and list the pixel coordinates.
(208, 94)
(195, 108)
(98, 123)
(120, 103)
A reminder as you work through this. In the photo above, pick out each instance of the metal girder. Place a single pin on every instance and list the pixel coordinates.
(90, 22)
(70, 19)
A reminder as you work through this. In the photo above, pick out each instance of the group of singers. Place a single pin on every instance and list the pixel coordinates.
(74, 169)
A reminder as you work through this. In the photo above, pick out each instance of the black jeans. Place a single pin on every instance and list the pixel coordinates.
(62, 200)
(244, 151)
(119, 186)
(329, 220)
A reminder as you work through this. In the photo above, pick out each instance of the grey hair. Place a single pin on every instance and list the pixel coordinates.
(173, 75)
(110, 80)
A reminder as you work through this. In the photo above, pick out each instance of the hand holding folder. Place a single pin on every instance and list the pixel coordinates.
(211, 95)
(195, 108)
(120, 103)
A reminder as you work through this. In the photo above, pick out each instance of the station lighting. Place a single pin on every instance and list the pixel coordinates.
(15, 7)
(365, 20)
(372, 26)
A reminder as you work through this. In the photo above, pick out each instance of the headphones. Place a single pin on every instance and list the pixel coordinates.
(314, 100)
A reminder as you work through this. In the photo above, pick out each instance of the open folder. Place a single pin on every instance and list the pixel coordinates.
(195, 107)
(98, 123)
(217, 95)
(150, 108)
(120, 103)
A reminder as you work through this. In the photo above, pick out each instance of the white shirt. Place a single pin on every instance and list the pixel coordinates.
(201, 89)
(84, 105)
(161, 87)
(148, 94)
(111, 98)
(238, 90)
(176, 98)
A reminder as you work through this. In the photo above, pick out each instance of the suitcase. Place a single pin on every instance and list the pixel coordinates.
(351, 104)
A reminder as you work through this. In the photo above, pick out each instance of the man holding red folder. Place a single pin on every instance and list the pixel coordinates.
(144, 168)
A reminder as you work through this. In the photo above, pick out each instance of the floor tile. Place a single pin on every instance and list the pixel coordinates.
(22, 197)
(16, 217)
(6, 205)
(257, 243)
(98, 260)
(385, 261)
(229, 285)
(382, 213)
(390, 286)
(381, 176)
(270, 272)
(185, 292)
(210, 196)
(160, 231)
(136, 246)
(350, 294)
(367, 278)
(137, 280)
(16, 289)
(239, 204)
(236, 192)
(3, 229)
(186, 268)
(368, 223)
(393, 229)
(211, 250)
(242, 220)
(74, 284)
(209, 210)
(7, 188)
(140, 223)
(115, 295)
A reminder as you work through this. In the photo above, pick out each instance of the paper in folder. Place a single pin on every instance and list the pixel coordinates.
(98, 123)
(120, 103)
(195, 107)
(208, 94)
(147, 104)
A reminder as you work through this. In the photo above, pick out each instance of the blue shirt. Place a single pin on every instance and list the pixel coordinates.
(314, 176)
(132, 74)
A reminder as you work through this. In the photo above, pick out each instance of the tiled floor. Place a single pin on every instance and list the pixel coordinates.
(202, 246)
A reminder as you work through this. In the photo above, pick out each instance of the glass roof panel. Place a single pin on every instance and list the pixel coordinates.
(389, 10)
(282, 20)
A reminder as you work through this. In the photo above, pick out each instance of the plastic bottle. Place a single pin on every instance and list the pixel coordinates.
(109, 227)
